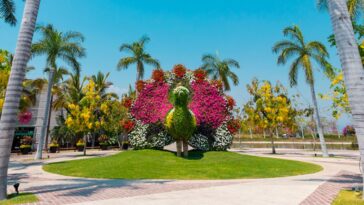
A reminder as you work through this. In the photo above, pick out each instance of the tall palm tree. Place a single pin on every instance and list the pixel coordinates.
(14, 89)
(7, 11)
(56, 45)
(58, 77)
(354, 7)
(304, 54)
(220, 69)
(351, 64)
(139, 57)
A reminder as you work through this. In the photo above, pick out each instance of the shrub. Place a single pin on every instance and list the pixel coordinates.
(149, 136)
(26, 140)
(103, 139)
(80, 143)
(25, 146)
(223, 138)
(199, 142)
(348, 130)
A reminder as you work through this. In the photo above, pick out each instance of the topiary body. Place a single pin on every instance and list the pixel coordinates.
(180, 121)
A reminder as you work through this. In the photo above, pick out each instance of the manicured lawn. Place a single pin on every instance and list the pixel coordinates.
(346, 197)
(153, 164)
(22, 198)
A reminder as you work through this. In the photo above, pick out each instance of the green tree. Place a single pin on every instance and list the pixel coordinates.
(14, 89)
(56, 45)
(7, 11)
(221, 69)
(304, 54)
(139, 57)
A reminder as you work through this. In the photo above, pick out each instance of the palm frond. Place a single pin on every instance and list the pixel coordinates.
(125, 62)
(7, 11)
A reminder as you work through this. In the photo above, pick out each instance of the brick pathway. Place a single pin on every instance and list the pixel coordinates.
(319, 188)
(109, 189)
(326, 193)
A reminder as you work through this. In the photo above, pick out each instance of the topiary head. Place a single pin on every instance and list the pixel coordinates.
(181, 95)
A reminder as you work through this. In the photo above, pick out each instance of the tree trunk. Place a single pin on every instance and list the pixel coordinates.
(179, 147)
(47, 108)
(14, 89)
(302, 133)
(185, 148)
(251, 133)
(318, 122)
(351, 65)
(84, 145)
(49, 124)
(272, 142)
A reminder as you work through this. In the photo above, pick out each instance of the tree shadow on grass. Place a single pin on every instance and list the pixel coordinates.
(192, 154)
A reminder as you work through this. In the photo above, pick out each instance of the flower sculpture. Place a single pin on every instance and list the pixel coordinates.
(183, 106)
(180, 121)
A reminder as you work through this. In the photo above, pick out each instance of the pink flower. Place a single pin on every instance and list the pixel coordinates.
(208, 105)
(152, 104)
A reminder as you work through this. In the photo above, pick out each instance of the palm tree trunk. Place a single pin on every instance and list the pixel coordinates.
(318, 122)
(351, 65)
(48, 125)
(14, 89)
(47, 107)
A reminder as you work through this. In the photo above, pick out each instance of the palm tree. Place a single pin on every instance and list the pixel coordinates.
(220, 69)
(7, 11)
(139, 57)
(354, 7)
(102, 84)
(351, 64)
(304, 53)
(14, 89)
(56, 45)
(58, 75)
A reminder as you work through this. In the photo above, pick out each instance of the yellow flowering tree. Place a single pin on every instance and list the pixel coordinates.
(269, 107)
(30, 87)
(89, 114)
(337, 95)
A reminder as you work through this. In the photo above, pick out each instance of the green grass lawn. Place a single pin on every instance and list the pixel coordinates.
(346, 197)
(153, 164)
(22, 198)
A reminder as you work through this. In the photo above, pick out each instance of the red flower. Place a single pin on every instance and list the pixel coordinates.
(200, 75)
(233, 126)
(139, 85)
(127, 102)
(127, 125)
(179, 70)
(25, 117)
(158, 75)
(230, 102)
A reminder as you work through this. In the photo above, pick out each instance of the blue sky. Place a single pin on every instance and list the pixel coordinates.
(182, 31)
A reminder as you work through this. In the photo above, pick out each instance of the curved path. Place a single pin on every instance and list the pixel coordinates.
(319, 188)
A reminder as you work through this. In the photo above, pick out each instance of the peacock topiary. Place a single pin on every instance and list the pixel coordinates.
(180, 121)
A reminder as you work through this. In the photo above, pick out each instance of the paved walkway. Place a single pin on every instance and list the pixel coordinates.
(341, 171)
